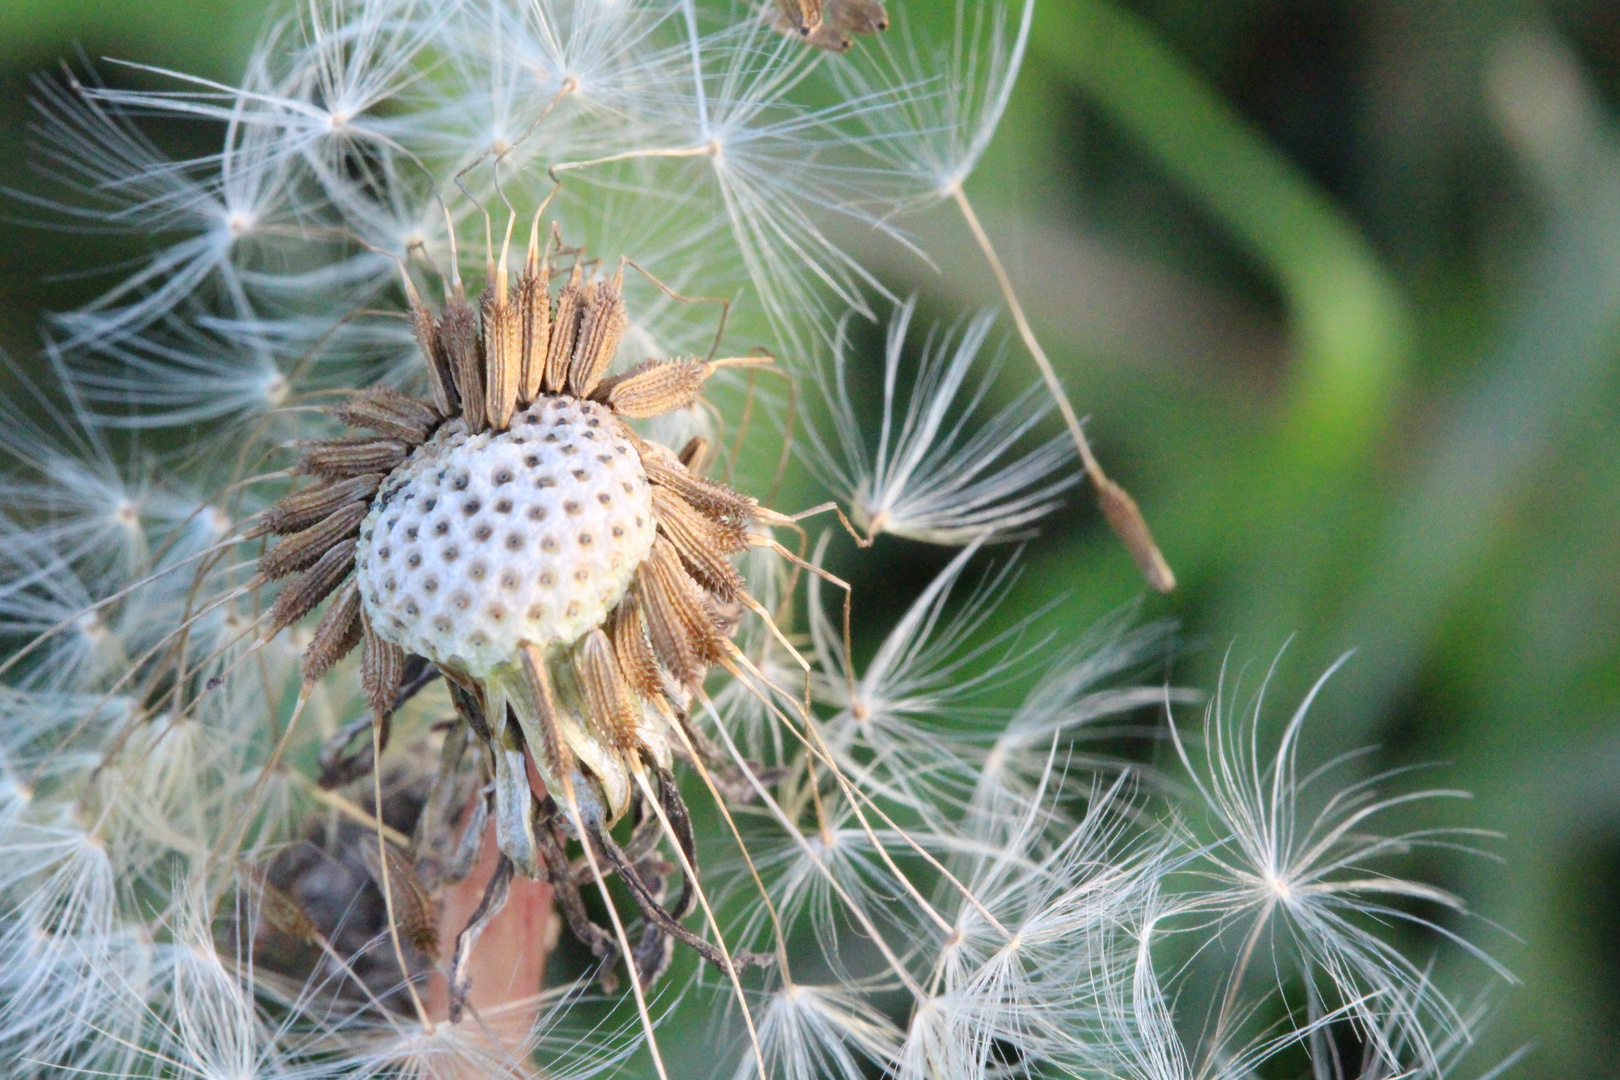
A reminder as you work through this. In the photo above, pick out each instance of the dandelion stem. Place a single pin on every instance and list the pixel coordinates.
(725, 811)
(708, 913)
(383, 876)
(618, 928)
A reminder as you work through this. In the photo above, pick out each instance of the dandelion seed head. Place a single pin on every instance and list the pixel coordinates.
(91, 627)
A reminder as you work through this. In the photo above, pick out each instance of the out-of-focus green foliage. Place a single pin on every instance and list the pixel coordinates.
(1339, 285)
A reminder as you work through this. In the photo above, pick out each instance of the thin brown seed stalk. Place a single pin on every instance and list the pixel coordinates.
(1118, 507)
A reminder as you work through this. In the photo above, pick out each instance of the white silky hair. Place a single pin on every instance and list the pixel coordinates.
(965, 886)
(933, 137)
(940, 471)
(1311, 880)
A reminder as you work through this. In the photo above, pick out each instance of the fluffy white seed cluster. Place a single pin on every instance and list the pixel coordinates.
(481, 542)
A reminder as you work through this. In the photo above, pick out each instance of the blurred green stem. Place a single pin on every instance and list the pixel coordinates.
(1267, 524)
(1349, 322)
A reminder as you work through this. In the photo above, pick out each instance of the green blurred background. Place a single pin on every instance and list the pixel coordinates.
(1339, 285)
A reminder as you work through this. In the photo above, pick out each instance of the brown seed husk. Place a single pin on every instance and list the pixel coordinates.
(503, 355)
(715, 500)
(389, 413)
(857, 16)
(335, 635)
(683, 634)
(534, 312)
(695, 454)
(654, 388)
(443, 384)
(1131, 527)
(800, 15)
(545, 707)
(703, 544)
(382, 671)
(601, 328)
(304, 508)
(281, 911)
(343, 459)
(415, 913)
(314, 585)
(458, 337)
(636, 660)
(607, 700)
(571, 303)
(303, 549)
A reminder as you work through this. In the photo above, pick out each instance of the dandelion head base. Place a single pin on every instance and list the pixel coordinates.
(479, 543)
